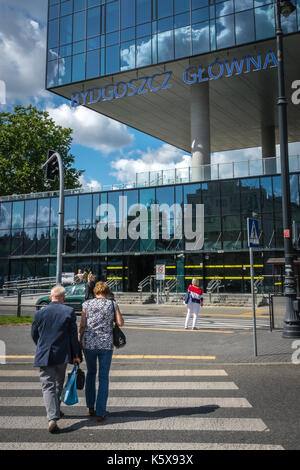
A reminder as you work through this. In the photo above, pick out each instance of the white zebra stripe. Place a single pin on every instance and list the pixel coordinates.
(137, 386)
(141, 424)
(142, 402)
(191, 446)
(130, 373)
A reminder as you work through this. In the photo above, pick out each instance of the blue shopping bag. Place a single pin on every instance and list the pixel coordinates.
(69, 393)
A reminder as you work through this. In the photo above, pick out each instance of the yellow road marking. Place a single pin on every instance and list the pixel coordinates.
(122, 356)
(132, 356)
(16, 357)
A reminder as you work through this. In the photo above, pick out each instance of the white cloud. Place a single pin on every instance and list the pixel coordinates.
(91, 129)
(91, 185)
(22, 50)
(162, 158)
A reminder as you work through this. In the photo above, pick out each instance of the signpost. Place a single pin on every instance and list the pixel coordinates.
(253, 242)
(160, 276)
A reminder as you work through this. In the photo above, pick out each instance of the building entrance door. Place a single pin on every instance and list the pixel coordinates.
(139, 267)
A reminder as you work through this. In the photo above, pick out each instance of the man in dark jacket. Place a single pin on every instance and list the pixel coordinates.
(54, 332)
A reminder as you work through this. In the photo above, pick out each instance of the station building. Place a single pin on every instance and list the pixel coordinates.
(200, 75)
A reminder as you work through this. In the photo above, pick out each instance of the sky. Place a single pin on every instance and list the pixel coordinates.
(108, 151)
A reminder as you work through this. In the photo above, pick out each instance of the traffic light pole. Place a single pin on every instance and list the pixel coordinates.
(291, 327)
(60, 234)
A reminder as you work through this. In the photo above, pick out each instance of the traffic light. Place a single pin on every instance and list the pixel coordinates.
(51, 168)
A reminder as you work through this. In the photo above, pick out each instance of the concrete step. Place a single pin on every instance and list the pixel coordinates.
(240, 300)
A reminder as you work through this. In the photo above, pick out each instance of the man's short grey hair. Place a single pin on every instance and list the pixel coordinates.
(58, 292)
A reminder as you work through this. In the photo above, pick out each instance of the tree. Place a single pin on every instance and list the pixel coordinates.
(25, 137)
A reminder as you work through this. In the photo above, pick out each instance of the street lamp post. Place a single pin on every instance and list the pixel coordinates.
(291, 327)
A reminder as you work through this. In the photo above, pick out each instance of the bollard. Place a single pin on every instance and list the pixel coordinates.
(19, 303)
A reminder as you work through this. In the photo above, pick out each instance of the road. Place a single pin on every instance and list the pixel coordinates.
(161, 406)
(170, 389)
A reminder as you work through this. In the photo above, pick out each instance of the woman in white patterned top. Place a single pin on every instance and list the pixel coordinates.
(96, 339)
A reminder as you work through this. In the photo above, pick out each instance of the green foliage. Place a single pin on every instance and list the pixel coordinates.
(25, 137)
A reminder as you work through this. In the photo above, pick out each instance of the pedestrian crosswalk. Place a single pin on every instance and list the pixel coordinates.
(150, 408)
(153, 321)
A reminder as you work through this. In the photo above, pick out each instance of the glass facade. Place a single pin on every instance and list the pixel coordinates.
(28, 231)
(94, 38)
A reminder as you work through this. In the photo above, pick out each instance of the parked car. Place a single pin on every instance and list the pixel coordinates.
(75, 296)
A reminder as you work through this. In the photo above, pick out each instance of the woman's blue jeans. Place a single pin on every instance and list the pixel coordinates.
(104, 356)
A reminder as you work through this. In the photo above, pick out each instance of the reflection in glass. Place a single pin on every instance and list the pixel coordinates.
(127, 13)
(165, 46)
(200, 38)
(54, 211)
(182, 42)
(181, 5)
(143, 52)
(112, 59)
(64, 71)
(112, 17)
(52, 34)
(5, 215)
(200, 15)
(52, 74)
(79, 26)
(224, 8)
(30, 213)
(18, 214)
(29, 241)
(225, 31)
(4, 243)
(250, 196)
(128, 55)
(164, 8)
(65, 31)
(78, 68)
(143, 11)
(71, 210)
(42, 243)
(264, 22)
(289, 25)
(93, 64)
(244, 27)
(93, 22)
(16, 242)
(85, 209)
(241, 5)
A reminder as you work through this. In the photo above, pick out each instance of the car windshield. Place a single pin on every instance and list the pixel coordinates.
(69, 289)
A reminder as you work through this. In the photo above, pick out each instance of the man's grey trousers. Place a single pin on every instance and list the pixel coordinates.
(52, 379)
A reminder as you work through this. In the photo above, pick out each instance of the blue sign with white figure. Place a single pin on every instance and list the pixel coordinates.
(253, 233)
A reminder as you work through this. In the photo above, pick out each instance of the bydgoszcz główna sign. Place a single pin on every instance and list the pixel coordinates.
(163, 81)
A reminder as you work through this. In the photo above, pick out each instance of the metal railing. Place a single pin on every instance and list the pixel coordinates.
(218, 171)
(114, 284)
(30, 283)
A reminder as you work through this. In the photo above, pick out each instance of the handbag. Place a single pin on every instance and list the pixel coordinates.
(119, 339)
(69, 394)
(80, 380)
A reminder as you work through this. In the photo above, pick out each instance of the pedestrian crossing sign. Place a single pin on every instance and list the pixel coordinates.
(253, 233)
